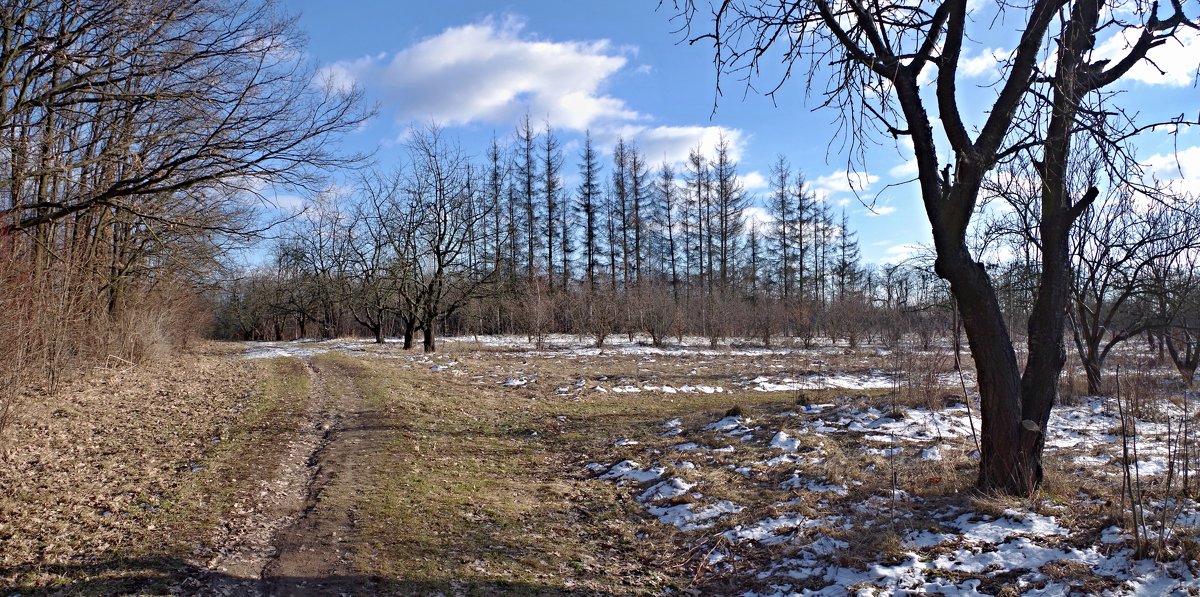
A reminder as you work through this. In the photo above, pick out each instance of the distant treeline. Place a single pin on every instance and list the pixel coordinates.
(444, 242)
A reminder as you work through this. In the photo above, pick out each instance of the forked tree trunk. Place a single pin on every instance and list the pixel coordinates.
(1010, 462)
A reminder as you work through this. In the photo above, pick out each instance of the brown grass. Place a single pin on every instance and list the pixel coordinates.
(479, 487)
(117, 481)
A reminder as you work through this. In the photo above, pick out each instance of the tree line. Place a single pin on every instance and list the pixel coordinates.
(447, 242)
(499, 244)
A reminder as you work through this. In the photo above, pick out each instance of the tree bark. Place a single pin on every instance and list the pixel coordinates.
(410, 328)
(429, 344)
(1092, 369)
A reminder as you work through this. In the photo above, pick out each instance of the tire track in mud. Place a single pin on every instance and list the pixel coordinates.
(297, 541)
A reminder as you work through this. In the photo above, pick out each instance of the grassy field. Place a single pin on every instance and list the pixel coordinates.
(352, 468)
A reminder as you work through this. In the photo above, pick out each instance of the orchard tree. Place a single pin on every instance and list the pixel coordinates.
(1120, 250)
(443, 206)
(878, 58)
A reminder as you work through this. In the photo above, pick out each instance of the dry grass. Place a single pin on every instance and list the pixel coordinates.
(117, 481)
(478, 487)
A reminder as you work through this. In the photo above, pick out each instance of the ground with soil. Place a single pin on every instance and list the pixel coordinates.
(350, 468)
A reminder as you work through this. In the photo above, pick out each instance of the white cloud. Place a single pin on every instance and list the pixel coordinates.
(842, 181)
(885, 210)
(757, 216)
(489, 71)
(1178, 58)
(753, 181)
(986, 64)
(673, 143)
(898, 253)
(1179, 171)
(905, 171)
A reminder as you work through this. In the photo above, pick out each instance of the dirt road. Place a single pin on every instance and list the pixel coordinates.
(400, 480)
(298, 538)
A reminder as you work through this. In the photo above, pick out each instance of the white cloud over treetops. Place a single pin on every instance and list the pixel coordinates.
(758, 217)
(489, 71)
(842, 181)
(673, 143)
(753, 181)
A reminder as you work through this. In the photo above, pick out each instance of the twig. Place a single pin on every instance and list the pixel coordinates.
(962, 382)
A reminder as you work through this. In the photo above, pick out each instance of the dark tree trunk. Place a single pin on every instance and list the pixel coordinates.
(410, 329)
(429, 344)
(1092, 368)
(1004, 466)
(1187, 361)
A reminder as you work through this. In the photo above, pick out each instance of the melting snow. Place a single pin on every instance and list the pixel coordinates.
(628, 469)
(665, 490)
(688, 518)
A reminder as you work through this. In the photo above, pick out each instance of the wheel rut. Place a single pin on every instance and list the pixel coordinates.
(300, 532)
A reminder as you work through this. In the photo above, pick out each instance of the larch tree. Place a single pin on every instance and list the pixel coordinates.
(636, 219)
(589, 206)
(804, 202)
(729, 204)
(696, 226)
(846, 269)
(878, 58)
(497, 182)
(620, 203)
(781, 206)
(666, 219)
(551, 189)
(526, 188)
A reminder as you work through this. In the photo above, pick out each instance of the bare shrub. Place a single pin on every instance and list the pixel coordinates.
(599, 314)
(654, 311)
(919, 382)
(802, 319)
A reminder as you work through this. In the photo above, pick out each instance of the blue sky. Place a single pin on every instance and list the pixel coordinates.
(619, 67)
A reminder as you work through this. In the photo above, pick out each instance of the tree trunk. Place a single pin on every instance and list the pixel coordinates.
(430, 344)
(1092, 367)
(1187, 362)
(1010, 461)
(410, 329)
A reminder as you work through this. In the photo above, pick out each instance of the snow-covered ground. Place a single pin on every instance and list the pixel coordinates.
(809, 527)
(808, 542)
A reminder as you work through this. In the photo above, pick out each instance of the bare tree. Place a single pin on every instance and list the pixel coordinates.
(729, 203)
(446, 205)
(556, 233)
(525, 187)
(1182, 334)
(137, 103)
(666, 219)
(371, 261)
(878, 54)
(1119, 246)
